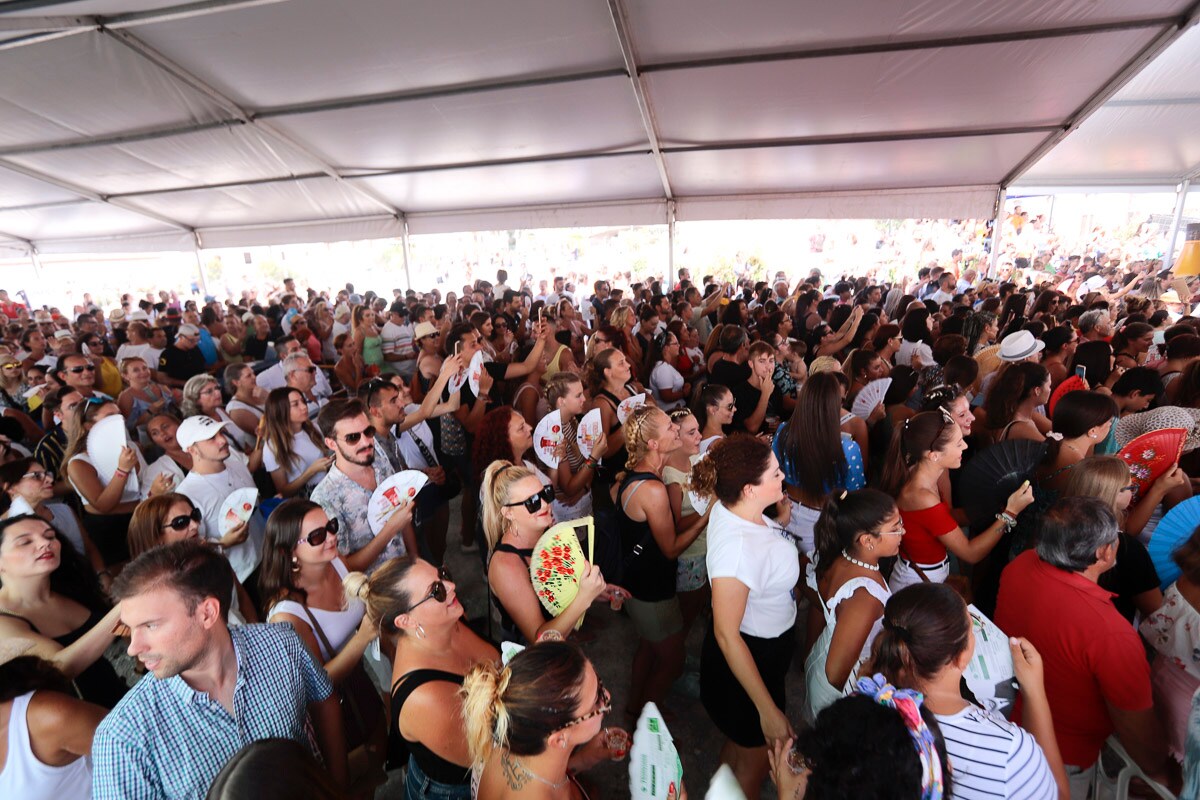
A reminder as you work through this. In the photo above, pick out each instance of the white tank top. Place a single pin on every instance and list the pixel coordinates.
(26, 777)
(338, 626)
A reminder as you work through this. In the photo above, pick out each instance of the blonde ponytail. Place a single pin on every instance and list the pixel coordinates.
(485, 718)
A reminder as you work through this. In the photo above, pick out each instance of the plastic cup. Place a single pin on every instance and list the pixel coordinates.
(616, 600)
(617, 742)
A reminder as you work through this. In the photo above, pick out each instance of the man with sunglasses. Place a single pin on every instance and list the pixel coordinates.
(301, 374)
(274, 377)
(345, 491)
(217, 473)
(78, 372)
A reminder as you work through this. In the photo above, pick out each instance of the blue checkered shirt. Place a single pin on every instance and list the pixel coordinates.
(166, 740)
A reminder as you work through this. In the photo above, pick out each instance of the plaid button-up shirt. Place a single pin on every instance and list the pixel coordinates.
(166, 740)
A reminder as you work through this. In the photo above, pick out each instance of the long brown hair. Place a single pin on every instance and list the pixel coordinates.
(917, 436)
(145, 527)
(83, 417)
(275, 576)
(811, 445)
(278, 428)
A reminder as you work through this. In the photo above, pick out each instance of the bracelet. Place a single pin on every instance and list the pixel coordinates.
(1007, 519)
(122, 472)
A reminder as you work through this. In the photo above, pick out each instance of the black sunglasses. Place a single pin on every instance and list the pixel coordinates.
(352, 438)
(317, 537)
(77, 370)
(183, 520)
(437, 590)
(533, 504)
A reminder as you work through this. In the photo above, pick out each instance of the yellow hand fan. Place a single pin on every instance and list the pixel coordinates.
(558, 564)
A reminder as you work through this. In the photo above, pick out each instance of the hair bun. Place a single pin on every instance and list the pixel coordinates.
(355, 585)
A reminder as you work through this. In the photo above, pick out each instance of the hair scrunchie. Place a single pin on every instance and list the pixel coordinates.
(907, 704)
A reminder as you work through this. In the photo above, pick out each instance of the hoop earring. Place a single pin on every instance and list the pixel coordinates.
(295, 564)
(420, 631)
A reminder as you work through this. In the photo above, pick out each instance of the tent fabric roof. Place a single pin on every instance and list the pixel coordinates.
(147, 125)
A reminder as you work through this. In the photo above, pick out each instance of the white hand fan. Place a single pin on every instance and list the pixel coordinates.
(629, 405)
(105, 441)
(587, 433)
(547, 437)
(397, 490)
(870, 397)
(236, 509)
(475, 370)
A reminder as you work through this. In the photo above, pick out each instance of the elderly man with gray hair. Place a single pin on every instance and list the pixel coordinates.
(300, 373)
(1097, 677)
(1095, 325)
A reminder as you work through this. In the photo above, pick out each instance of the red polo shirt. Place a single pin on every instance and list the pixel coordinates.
(1091, 653)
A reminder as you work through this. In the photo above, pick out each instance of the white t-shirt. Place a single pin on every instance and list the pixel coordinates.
(905, 353)
(763, 559)
(145, 352)
(664, 376)
(992, 757)
(208, 493)
(306, 453)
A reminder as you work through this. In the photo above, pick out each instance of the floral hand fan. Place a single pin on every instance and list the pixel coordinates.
(547, 438)
(558, 564)
(870, 397)
(1151, 455)
(1071, 384)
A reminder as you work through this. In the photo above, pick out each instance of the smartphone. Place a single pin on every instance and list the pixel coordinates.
(457, 346)
(541, 310)
(1081, 373)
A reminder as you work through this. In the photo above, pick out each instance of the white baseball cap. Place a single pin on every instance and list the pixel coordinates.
(197, 429)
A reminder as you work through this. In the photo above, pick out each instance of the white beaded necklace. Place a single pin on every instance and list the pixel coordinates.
(857, 563)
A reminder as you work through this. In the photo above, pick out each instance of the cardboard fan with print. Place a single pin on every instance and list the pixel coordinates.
(1151, 455)
(629, 405)
(475, 370)
(548, 437)
(558, 564)
(870, 397)
(588, 432)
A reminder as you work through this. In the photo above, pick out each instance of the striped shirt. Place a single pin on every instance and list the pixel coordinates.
(991, 757)
(165, 739)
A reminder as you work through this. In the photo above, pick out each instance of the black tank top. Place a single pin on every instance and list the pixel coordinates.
(511, 631)
(399, 748)
(612, 463)
(650, 575)
(99, 683)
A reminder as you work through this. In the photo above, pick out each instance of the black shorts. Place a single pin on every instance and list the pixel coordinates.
(726, 702)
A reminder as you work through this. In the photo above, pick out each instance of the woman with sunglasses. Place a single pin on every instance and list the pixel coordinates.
(922, 449)
(171, 518)
(516, 512)
(854, 532)
(415, 608)
(532, 724)
(144, 398)
(106, 507)
(28, 485)
(12, 384)
(294, 453)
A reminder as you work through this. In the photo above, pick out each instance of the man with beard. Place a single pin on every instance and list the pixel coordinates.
(345, 492)
(212, 689)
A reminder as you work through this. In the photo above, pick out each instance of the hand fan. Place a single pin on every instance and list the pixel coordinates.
(547, 437)
(870, 397)
(629, 405)
(988, 359)
(1150, 455)
(655, 772)
(558, 564)
(397, 490)
(104, 443)
(475, 369)
(1071, 384)
(1176, 527)
(989, 478)
(587, 433)
(236, 509)
(459, 379)
(1134, 425)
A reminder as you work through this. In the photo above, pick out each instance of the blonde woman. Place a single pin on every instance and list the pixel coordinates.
(573, 476)
(516, 512)
(144, 398)
(648, 525)
(691, 575)
(532, 724)
(414, 606)
(293, 452)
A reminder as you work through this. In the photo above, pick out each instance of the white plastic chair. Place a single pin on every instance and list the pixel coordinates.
(1116, 787)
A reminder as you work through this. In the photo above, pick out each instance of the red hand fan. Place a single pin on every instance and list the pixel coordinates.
(1071, 384)
(1151, 455)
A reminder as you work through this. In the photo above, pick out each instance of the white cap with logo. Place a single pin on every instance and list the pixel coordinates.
(197, 429)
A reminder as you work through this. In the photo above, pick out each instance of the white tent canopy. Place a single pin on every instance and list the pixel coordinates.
(143, 125)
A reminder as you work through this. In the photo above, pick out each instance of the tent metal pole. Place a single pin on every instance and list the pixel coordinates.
(997, 227)
(670, 247)
(1180, 202)
(405, 243)
(200, 264)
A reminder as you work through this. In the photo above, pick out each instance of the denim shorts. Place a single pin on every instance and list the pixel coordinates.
(419, 786)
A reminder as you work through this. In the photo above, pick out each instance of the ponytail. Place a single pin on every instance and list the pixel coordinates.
(484, 716)
(498, 478)
(925, 627)
(917, 436)
(846, 516)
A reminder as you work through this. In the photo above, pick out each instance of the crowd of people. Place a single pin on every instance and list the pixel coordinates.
(784, 465)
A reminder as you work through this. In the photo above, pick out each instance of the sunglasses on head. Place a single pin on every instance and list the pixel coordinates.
(316, 538)
(533, 504)
(352, 438)
(183, 520)
(437, 590)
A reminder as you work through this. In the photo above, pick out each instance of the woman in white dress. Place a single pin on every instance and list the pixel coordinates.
(855, 530)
